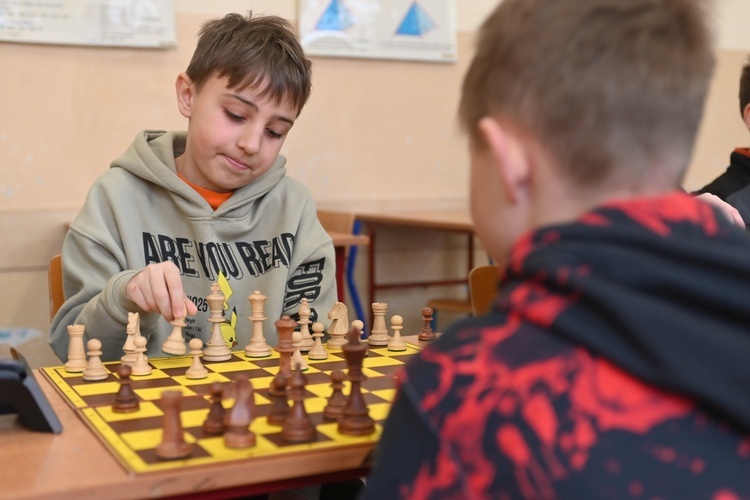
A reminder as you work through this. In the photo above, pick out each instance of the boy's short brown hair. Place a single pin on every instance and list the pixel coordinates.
(605, 85)
(258, 52)
(745, 87)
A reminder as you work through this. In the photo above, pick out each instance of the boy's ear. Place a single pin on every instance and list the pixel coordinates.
(746, 116)
(184, 88)
(509, 155)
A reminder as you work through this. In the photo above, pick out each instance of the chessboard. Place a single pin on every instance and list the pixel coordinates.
(133, 437)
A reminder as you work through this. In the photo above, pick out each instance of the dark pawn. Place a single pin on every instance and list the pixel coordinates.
(279, 404)
(337, 401)
(298, 428)
(214, 423)
(355, 419)
(126, 400)
(237, 420)
(173, 444)
(427, 333)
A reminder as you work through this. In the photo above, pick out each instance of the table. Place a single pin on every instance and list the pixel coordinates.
(441, 215)
(76, 464)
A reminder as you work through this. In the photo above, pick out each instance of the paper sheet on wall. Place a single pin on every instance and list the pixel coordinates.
(126, 23)
(422, 30)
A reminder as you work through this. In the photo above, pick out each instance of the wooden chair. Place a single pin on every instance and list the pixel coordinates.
(55, 281)
(483, 287)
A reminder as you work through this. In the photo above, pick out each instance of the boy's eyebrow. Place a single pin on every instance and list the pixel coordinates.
(255, 107)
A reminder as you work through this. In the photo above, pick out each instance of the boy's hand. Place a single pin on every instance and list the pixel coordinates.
(158, 288)
(727, 209)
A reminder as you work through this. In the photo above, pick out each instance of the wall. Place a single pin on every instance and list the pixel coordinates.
(372, 130)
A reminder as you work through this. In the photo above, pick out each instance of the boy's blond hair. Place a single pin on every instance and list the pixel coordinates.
(606, 86)
(257, 52)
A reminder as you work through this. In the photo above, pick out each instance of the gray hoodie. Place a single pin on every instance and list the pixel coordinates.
(265, 237)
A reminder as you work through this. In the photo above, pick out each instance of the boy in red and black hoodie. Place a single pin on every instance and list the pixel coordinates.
(614, 363)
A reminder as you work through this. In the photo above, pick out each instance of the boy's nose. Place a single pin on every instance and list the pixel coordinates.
(250, 140)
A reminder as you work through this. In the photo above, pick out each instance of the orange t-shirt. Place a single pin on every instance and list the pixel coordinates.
(212, 197)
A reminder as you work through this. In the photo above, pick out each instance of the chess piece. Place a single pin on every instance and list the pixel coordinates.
(397, 343)
(95, 368)
(359, 325)
(173, 445)
(306, 343)
(336, 401)
(297, 359)
(129, 347)
(140, 366)
(258, 347)
(237, 420)
(196, 370)
(126, 400)
(214, 423)
(284, 328)
(379, 333)
(216, 347)
(175, 343)
(298, 428)
(355, 419)
(76, 353)
(279, 403)
(339, 326)
(427, 333)
(318, 351)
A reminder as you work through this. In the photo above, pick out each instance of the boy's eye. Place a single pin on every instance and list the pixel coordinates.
(232, 116)
(273, 134)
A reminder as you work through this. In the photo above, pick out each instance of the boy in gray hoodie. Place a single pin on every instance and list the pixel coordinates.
(181, 210)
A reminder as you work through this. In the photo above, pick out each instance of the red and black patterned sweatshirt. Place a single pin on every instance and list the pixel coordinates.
(615, 363)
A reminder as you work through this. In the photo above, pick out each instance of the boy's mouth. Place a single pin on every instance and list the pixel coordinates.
(237, 163)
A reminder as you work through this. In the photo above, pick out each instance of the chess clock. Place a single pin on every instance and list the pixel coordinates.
(20, 393)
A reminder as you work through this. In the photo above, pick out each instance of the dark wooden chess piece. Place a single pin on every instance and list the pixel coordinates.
(238, 419)
(126, 400)
(355, 418)
(285, 329)
(427, 333)
(337, 401)
(279, 403)
(214, 423)
(173, 445)
(298, 428)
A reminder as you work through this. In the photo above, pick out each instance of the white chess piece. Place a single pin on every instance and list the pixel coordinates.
(258, 347)
(95, 368)
(140, 365)
(76, 353)
(397, 343)
(318, 351)
(216, 347)
(196, 369)
(175, 343)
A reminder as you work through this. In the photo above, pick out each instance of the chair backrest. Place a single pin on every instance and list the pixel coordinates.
(55, 281)
(338, 222)
(483, 287)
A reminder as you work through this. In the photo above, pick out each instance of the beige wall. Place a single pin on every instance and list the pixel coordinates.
(372, 130)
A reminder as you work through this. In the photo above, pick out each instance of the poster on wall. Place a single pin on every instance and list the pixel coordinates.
(423, 30)
(114, 23)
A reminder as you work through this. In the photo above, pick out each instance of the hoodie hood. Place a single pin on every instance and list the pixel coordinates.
(151, 157)
(659, 286)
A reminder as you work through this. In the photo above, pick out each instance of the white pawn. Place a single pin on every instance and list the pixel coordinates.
(397, 343)
(95, 368)
(318, 351)
(359, 325)
(76, 353)
(140, 365)
(175, 343)
(196, 370)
